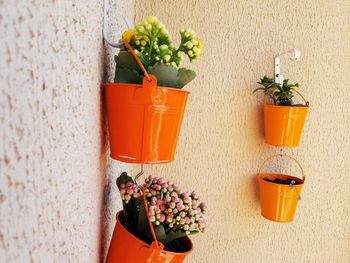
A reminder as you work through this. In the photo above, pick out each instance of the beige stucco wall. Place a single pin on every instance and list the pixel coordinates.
(52, 131)
(57, 186)
(221, 143)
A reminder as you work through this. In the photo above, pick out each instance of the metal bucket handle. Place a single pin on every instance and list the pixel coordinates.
(306, 102)
(149, 81)
(282, 155)
(156, 247)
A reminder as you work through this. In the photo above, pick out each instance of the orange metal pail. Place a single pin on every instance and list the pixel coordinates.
(278, 201)
(284, 124)
(127, 248)
(144, 121)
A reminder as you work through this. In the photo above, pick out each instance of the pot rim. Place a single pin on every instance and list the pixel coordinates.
(130, 85)
(292, 107)
(262, 176)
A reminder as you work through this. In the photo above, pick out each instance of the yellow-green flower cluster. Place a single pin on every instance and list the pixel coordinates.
(190, 44)
(152, 43)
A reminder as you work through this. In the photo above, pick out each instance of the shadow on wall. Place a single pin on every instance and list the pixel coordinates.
(103, 146)
(254, 188)
(260, 120)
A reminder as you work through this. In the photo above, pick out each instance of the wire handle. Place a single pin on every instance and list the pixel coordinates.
(157, 247)
(282, 155)
(306, 102)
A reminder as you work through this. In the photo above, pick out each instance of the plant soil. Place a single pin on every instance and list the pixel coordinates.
(284, 182)
(299, 105)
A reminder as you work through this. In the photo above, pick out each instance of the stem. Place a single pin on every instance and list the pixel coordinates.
(151, 46)
(150, 49)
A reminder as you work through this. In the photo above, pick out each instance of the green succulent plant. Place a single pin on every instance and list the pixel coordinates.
(153, 45)
(280, 94)
(128, 71)
(172, 212)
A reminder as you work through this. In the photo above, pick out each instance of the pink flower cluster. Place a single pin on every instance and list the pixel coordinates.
(129, 190)
(173, 208)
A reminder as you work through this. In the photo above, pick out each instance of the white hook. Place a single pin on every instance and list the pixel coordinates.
(106, 26)
(295, 55)
(138, 176)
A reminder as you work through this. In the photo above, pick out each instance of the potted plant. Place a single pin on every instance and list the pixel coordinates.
(145, 105)
(279, 193)
(284, 120)
(155, 222)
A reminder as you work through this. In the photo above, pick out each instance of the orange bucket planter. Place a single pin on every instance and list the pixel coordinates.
(284, 124)
(279, 201)
(144, 121)
(127, 248)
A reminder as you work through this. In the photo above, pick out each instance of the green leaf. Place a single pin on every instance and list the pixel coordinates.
(185, 76)
(144, 60)
(169, 76)
(258, 89)
(125, 75)
(124, 59)
(166, 75)
(124, 178)
(282, 94)
(160, 233)
(172, 235)
(266, 80)
(143, 229)
(132, 207)
(131, 216)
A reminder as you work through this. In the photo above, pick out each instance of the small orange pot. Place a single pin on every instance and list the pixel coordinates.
(284, 124)
(144, 121)
(127, 248)
(278, 201)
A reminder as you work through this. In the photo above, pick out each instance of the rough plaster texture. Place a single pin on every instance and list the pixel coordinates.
(53, 187)
(221, 142)
(52, 137)
(118, 11)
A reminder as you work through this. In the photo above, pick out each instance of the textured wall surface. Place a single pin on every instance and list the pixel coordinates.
(119, 10)
(221, 142)
(53, 183)
(52, 143)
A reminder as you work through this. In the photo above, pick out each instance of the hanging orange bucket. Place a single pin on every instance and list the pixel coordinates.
(279, 201)
(144, 121)
(127, 248)
(284, 124)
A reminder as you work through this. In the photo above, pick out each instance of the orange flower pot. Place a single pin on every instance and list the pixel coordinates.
(284, 124)
(144, 121)
(278, 201)
(127, 248)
